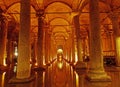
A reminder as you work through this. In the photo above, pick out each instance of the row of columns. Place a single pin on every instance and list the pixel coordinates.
(96, 71)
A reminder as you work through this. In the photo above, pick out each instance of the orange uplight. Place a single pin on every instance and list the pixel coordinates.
(4, 62)
(3, 79)
(77, 79)
(36, 64)
(76, 57)
(44, 61)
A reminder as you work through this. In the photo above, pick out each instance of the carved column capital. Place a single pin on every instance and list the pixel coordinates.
(40, 13)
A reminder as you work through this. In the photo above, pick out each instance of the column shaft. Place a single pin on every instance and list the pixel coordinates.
(40, 42)
(3, 39)
(9, 50)
(78, 38)
(23, 65)
(96, 71)
(115, 22)
(46, 45)
(34, 60)
(80, 63)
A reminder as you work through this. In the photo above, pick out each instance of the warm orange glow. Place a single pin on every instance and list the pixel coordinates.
(76, 57)
(60, 59)
(59, 51)
(15, 68)
(3, 78)
(77, 79)
(16, 52)
(4, 62)
(60, 65)
(43, 79)
(36, 64)
(44, 61)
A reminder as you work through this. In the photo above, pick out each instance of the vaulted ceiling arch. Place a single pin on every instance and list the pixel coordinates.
(54, 2)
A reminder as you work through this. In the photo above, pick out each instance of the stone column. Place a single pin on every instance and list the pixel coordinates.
(3, 39)
(24, 49)
(68, 41)
(49, 45)
(40, 39)
(9, 50)
(96, 71)
(46, 46)
(80, 63)
(116, 29)
(34, 52)
(72, 60)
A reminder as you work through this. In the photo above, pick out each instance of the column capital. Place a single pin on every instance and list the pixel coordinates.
(2, 17)
(40, 13)
(114, 15)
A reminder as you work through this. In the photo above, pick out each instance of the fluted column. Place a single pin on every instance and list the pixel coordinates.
(116, 29)
(40, 39)
(96, 71)
(3, 39)
(23, 65)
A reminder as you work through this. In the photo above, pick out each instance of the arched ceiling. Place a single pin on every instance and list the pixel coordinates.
(59, 14)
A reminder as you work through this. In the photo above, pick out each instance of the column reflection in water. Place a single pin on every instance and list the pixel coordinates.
(2, 80)
(77, 79)
(40, 79)
(98, 84)
(60, 76)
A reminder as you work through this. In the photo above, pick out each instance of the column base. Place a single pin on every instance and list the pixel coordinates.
(41, 68)
(15, 80)
(98, 77)
(80, 65)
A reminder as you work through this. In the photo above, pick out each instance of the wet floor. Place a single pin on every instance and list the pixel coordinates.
(61, 74)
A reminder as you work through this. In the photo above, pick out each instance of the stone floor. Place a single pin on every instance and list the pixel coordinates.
(61, 74)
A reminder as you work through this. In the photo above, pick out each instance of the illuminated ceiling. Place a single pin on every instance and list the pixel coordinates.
(59, 15)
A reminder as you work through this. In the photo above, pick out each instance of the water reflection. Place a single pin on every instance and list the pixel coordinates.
(60, 74)
(99, 84)
(3, 79)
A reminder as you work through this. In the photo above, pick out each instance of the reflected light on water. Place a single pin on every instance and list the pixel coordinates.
(43, 79)
(77, 79)
(3, 79)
